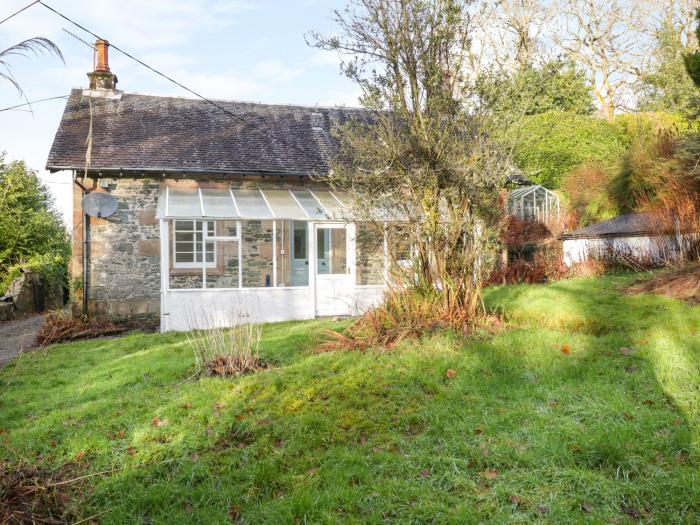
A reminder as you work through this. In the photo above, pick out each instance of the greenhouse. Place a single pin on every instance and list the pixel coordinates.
(534, 203)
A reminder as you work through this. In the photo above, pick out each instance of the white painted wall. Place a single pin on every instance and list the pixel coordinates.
(187, 309)
(650, 248)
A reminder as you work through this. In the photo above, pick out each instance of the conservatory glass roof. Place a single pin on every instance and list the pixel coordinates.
(251, 203)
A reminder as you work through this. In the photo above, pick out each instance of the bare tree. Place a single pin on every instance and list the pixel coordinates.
(519, 27)
(32, 46)
(605, 38)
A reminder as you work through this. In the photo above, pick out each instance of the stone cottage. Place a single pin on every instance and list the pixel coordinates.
(217, 207)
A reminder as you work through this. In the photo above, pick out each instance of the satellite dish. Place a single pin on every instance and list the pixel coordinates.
(99, 204)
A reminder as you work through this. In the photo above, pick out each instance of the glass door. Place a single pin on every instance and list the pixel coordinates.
(334, 285)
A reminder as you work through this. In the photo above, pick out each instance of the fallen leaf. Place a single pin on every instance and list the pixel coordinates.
(565, 350)
(451, 373)
(80, 455)
(53, 443)
(627, 351)
(634, 513)
(478, 431)
(515, 500)
(158, 422)
(187, 406)
(234, 512)
(424, 473)
(131, 451)
(586, 507)
(119, 435)
(219, 406)
(648, 402)
(490, 473)
(628, 417)
(542, 509)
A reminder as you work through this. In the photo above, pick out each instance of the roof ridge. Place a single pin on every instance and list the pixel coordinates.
(234, 101)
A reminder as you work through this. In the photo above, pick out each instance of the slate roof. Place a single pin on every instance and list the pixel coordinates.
(164, 134)
(150, 133)
(630, 224)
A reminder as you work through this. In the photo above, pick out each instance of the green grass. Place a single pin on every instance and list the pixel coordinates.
(386, 437)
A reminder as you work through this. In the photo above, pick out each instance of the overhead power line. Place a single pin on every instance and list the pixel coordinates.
(18, 12)
(172, 80)
(33, 102)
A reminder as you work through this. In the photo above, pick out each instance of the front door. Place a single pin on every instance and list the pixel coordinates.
(300, 253)
(335, 291)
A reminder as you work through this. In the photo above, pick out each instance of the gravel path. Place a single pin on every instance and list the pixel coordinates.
(18, 335)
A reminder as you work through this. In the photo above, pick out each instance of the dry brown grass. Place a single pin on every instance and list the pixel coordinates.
(229, 348)
(406, 313)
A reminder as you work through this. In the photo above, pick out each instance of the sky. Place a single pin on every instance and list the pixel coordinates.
(250, 50)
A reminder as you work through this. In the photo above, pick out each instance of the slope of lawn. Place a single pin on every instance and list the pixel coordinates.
(547, 421)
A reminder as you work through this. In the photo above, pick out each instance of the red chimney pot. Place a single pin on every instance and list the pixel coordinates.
(102, 53)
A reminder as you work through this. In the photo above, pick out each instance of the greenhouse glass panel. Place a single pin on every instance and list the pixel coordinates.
(218, 203)
(283, 204)
(311, 206)
(251, 204)
(336, 210)
(184, 202)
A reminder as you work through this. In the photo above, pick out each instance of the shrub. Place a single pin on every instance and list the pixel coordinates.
(222, 350)
(587, 188)
(550, 145)
(52, 268)
(405, 313)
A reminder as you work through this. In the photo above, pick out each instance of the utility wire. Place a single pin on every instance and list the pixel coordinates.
(170, 79)
(18, 12)
(33, 102)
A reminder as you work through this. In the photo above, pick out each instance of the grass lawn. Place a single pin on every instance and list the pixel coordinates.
(547, 421)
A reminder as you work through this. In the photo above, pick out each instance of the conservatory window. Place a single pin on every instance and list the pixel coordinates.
(187, 247)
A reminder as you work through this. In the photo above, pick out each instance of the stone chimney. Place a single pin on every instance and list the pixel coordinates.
(102, 77)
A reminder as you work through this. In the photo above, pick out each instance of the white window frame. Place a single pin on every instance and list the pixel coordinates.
(205, 238)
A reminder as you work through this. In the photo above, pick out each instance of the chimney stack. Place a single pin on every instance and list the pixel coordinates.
(102, 78)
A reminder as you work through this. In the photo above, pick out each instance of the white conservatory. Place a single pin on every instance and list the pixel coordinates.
(274, 254)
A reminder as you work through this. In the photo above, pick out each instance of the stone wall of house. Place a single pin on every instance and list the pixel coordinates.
(124, 271)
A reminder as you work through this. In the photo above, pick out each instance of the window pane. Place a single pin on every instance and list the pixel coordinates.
(184, 202)
(251, 204)
(310, 205)
(331, 252)
(184, 271)
(257, 253)
(292, 258)
(369, 249)
(184, 225)
(225, 272)
(218, 203)
(283, 204)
